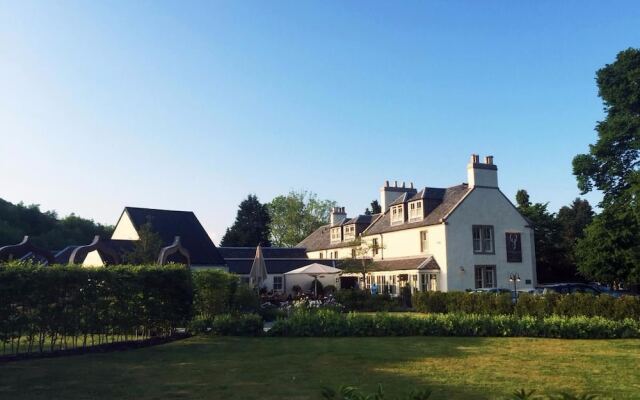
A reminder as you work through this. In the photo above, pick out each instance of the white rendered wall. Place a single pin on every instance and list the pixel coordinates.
(485, 206)
(125, 230)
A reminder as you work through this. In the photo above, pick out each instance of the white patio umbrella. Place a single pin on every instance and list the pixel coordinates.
(315, 270)
(258, 273)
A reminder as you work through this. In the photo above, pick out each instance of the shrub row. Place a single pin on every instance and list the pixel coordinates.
(363, 300)
(570, 305)
(47, 306)
(330, 323)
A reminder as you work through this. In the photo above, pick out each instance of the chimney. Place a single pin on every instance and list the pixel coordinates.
(482, 174)
(337, 216)
(389, 193)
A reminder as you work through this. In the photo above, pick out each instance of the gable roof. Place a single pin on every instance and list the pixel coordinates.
(169, 224)
(267, 252)
(420, 263)
(450, 197)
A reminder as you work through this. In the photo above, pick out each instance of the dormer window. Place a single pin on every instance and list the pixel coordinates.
(349, 232)
(336, 234)
(415, 211)
(397, 214)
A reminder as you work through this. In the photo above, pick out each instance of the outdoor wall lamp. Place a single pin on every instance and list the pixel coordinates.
(514, 278)
(462, 269)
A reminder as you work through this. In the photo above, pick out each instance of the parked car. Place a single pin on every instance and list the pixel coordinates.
(566, 288)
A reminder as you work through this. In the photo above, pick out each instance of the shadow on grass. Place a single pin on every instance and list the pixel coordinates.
(298, 368)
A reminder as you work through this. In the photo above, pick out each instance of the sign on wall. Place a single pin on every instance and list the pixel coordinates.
(514, 246)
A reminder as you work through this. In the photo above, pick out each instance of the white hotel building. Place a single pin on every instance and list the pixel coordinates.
(462, 237)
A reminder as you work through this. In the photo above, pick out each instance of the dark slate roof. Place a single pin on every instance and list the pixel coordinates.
(320, 239)
(450, 198)
(242, 266)
(402, 198)
(361, 219)
(169, 224)
(62, 256)
(421, 263)
(267, 252)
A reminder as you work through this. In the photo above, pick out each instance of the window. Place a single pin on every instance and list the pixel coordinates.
(397, 214)
(375, 247)
(424, 245)
(429, 282)
(336, 234)
(485, 276)
(483, 239)
(277, 283)
(353, 253)
(321, 255)
(415, 211)
(349, 231)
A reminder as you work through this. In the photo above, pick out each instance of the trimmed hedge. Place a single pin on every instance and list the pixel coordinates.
(218, 292)
(48, 306)
(329, 323)
(569, 305)
(363, 300)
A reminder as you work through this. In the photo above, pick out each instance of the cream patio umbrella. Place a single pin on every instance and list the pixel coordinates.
(258, 274)
(315, 270)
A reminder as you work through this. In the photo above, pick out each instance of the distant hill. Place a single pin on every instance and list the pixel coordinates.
(45, 228)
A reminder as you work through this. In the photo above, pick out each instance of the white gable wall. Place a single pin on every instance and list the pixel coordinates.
(93, 259)
(125, 230)
(486, 206)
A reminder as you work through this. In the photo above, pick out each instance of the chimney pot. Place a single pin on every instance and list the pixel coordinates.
(475, 159)
(395, 184)
(488, 160)
(411, 185)
(386, 183)
(403, 184)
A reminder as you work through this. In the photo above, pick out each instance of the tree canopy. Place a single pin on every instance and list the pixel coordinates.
(610, 249)
(296, 215)
(251, 226)
(45, 228)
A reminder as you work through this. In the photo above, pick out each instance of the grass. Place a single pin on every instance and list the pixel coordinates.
(297, 368)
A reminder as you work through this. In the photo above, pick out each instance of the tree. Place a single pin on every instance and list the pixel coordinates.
(147, 249)
(573, 220)
(251, 227)
(610, 249)
(375, 208)
(551, 261)
(296, 215)
(522, 199)
(45, 228)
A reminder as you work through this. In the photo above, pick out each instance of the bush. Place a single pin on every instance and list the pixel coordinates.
(245, 300)
(51, 304)
(213, 293)
(569, 305)
(237, 325)
(363, 300)
(329, 323)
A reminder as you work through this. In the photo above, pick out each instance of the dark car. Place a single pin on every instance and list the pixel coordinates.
(566, 288)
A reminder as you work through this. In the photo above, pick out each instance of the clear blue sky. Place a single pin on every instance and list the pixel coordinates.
(187, 105)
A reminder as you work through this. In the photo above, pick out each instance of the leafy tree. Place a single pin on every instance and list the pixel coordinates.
(610, 250)
(296, 215)
(375, 208)
(522, 199)
(251, 226)
(551, 258)
(45, 228)
(147, 249)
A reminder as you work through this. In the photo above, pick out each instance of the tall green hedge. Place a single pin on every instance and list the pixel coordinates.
(570, 305)
(47, 308)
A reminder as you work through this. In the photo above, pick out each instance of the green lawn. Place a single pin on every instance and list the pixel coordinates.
(297, 368)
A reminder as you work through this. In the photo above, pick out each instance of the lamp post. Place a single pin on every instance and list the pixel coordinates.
(514, 277)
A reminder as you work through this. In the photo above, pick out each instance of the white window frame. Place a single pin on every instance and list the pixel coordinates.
(336, 234)
(485, 277)
(280, 283)
(415, 211)
(397, 214)
(424, 242)
(483, 239)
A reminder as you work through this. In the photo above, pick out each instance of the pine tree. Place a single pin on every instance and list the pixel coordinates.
(251, 227)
